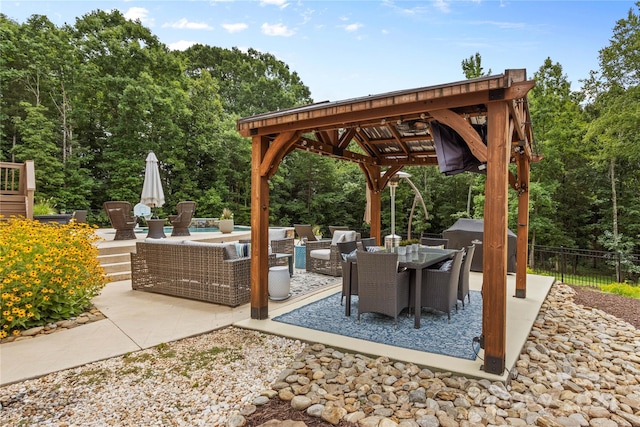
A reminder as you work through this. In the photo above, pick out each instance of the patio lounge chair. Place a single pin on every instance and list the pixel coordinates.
(80, 216)
(182, 220)
(324, 257)
(333, 228)
(119, 214)
(440, 286)
(463, 281)
(430, 241)
(305, 231)
(381, 288)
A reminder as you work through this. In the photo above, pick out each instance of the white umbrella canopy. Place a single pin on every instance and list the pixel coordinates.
(152, 193)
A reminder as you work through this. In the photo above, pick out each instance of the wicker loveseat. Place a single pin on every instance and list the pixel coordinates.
(209, 272)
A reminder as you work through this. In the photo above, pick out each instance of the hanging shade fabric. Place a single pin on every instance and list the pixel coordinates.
(454, 155)
(152, 194)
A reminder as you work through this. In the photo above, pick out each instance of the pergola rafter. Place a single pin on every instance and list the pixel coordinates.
(393, 130)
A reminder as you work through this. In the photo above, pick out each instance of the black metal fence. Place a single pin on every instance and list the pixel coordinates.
(583, 266)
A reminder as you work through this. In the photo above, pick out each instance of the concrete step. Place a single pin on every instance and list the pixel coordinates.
(122, 275)
(117, 267)
(116, 261)
(111, 250)
(114, 258)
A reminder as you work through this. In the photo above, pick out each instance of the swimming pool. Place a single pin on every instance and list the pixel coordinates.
(169, 229)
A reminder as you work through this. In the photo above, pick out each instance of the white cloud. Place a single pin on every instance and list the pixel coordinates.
(184, 24)
(235, 28)
(353, 27)
(442, 6)
(276, 30)
(181, 45)
(139, 13)
(280, 3)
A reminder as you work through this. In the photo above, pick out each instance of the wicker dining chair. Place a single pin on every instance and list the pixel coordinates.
(465, 271)
(349, 278)
(182, 220)
(381, 287)
(368, 242)
(119, 214)
(440, 287)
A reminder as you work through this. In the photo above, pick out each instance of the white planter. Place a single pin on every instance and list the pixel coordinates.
(225, 225)
(402, 250)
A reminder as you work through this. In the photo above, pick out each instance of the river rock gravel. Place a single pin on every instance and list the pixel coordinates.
(579, 367)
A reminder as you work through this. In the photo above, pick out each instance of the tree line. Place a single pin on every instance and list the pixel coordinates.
(88, 101)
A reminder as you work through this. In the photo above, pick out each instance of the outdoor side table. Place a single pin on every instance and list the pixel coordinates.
(279, 283)
(301, 256)
(156, 228)
(289, 259)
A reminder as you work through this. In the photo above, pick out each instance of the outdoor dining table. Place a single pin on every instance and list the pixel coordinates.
(414, 261)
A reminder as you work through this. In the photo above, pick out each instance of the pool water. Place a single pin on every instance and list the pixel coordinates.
(168, 230)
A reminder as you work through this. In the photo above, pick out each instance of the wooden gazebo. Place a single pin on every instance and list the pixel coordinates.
(393, 130)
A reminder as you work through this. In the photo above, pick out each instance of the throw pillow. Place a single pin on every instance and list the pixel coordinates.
(351, 254)
(446, 266)
(230, 252)
(277, 233)
(243, 249)
(372, 249)
(343, 236)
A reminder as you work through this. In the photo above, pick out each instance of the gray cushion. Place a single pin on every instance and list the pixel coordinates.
(277, 233)
(230, 252)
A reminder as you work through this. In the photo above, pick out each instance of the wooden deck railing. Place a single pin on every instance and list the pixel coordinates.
(17, 188)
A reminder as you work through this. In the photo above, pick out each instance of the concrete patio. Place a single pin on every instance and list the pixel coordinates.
(138, 320)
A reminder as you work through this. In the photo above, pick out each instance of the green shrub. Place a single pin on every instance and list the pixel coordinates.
(44, 207)
(623, 289)
(49, 272)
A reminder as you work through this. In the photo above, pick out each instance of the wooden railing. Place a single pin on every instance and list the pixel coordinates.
(17, 188)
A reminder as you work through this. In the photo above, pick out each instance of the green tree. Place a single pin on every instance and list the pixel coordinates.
(612, 133)
(558, 125)
(251, 82)
(472, 67)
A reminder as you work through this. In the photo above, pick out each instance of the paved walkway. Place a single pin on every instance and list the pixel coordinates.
(137, 320)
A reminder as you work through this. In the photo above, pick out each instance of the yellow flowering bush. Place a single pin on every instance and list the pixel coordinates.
(48, 272)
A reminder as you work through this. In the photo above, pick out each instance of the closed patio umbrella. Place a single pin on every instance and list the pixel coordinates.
(152, 193)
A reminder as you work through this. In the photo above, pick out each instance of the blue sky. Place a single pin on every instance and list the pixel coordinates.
(348, 49)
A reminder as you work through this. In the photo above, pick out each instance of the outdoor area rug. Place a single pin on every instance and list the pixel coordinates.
(435, 335)
(304, 282)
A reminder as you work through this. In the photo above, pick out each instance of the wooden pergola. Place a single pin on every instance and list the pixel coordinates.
(393, 130)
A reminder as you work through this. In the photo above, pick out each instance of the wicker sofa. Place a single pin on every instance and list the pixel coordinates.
(210, 272)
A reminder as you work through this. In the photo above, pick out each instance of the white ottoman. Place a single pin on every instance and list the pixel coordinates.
(279, 283)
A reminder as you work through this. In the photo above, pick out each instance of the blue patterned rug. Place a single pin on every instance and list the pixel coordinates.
(435, 335)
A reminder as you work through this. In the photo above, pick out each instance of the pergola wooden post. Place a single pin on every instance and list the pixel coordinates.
(391, 131)
(522, 252)
(259, 231)
(494, 267)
